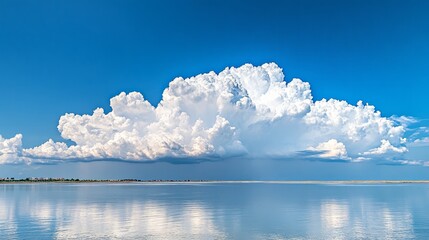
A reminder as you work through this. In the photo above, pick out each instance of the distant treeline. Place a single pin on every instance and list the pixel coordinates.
(64, 180)
(89, 180)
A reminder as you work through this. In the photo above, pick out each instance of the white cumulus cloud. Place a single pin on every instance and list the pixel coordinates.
(384, 148)
(331, 149)
(249, 111)
(10, 149)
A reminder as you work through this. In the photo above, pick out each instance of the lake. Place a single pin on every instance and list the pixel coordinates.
(214, 211)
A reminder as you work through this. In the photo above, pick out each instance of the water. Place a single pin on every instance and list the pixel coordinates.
(214, 211)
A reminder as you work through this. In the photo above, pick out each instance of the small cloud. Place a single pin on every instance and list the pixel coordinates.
(386, 148)
(402, 162)
(404, 120)
(421, 142)
(331, 149)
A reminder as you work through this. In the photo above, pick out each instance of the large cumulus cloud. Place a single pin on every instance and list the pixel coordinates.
(249, 111)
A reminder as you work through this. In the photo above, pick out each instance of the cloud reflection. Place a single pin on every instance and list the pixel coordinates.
(367, 221)
(133, 220)
(8, 226)
(149, 212)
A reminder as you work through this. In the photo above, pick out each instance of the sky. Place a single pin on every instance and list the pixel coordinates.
(267, 120)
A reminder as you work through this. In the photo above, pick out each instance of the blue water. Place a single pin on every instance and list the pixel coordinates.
(214, 211)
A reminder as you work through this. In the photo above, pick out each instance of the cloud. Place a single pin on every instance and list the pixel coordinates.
(249, 111)
(421, 142)
(331, 149)
(401, 162)
(419, 137)
(10, 150)
(384, 148)
(404, 120)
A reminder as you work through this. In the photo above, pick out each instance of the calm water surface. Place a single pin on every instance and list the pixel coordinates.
(214, 211)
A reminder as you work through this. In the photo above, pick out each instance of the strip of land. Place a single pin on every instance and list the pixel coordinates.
(161, 181)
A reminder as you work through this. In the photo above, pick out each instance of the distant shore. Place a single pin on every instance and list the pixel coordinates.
(339, 182)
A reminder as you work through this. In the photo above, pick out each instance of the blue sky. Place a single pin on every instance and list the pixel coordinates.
(60, 57)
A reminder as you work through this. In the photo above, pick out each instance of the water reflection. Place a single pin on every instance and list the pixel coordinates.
(334, 215)
(211, 212)
(366, 221)
(7, 223)
(130, 220)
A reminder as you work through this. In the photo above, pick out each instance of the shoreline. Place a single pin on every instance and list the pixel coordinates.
(327, 182)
